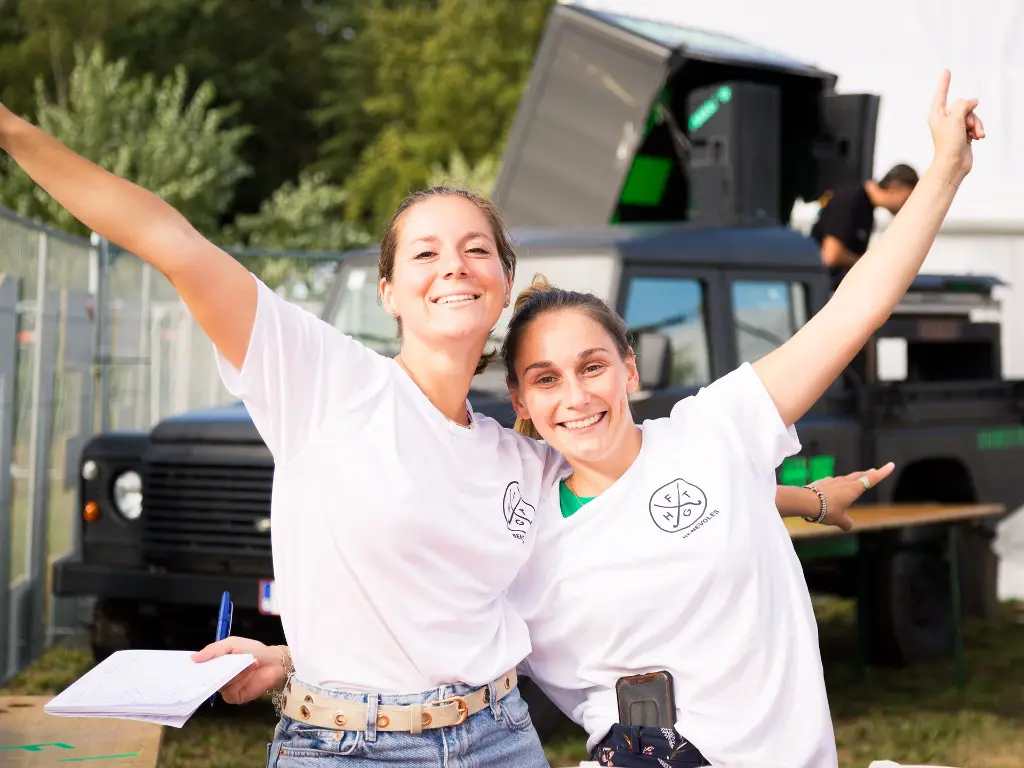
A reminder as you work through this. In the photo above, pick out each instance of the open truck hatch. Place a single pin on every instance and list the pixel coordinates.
(614, 105)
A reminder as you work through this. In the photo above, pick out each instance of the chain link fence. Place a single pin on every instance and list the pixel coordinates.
(92, 339)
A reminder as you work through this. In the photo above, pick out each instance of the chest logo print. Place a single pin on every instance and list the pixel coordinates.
(518, 512)
(677, 505)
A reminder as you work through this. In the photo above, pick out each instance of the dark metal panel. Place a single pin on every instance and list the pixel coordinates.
(765, 247)
(578, 124)
(146, 586)
(748, 245)
(216, 510)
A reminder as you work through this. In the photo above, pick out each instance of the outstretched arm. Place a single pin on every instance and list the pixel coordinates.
(840, 494)
(798, 372)
(218, 291)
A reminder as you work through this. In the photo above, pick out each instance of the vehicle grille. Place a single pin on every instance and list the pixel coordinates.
(204, 510)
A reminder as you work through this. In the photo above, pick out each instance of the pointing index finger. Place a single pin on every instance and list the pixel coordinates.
(941, 93)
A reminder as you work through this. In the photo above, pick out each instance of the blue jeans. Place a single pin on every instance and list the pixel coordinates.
(500, 735)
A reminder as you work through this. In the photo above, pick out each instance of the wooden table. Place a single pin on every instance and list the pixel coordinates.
(821, 541)
(30, 738)
(878, 517)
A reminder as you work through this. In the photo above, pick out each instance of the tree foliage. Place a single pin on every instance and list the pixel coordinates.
(265, 56)
(303, 216)
(306, 216)
(38, 39)
(448, 77)
(338, 108)
(459, 172)
(144, 130)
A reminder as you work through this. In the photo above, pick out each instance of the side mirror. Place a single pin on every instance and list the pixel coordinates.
(653, 360)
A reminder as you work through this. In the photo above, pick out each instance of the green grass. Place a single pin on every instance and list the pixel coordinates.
(912, 715)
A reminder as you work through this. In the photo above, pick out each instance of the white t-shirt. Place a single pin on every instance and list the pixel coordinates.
(395, 531)
(684, 564)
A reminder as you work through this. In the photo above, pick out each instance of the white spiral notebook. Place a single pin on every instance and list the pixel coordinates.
(164, 687)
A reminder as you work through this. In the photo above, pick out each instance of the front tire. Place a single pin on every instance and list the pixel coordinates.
(909, 614)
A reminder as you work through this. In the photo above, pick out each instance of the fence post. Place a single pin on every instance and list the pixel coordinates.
(156, 369)
(68, 613)
(40, 438)
(144, 362)
(101, 347)
(9, 291)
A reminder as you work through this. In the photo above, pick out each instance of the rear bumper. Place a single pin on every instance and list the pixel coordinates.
(72, 579)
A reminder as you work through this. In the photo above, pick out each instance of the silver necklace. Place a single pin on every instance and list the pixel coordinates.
(469, 416)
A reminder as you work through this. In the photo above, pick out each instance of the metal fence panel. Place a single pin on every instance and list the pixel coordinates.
(92, 339)
(9, 289)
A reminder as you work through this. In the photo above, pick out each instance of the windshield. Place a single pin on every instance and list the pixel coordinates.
(360, 314)
(766, 313)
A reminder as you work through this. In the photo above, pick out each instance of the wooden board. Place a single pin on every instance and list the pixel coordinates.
(876, 517)
(30, 738)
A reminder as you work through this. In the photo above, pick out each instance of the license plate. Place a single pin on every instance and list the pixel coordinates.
(268, 598)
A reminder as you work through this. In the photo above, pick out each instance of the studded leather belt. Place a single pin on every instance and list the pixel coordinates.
(324, 711)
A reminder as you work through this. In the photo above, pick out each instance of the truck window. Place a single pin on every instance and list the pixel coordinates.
(765, 314)
(359, 313)
(674, 307)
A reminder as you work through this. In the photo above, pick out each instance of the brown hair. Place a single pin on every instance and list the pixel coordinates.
(499, 230)
(539, 298)
(899, 175)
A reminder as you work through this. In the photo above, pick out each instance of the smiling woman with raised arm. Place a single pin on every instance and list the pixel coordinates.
(661, 572)
(396, 531)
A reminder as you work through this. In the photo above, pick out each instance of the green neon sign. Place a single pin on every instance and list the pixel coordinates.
(709, 108)
(801, 470)
(1001, 439)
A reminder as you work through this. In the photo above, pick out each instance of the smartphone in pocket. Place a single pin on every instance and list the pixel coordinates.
(647, 700)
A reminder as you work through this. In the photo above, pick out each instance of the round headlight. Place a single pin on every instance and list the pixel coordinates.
(128, 494)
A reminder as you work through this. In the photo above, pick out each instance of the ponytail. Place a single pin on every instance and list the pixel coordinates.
(537, 286)
(525, 427)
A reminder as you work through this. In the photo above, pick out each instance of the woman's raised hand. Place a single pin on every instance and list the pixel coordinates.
(954, 127)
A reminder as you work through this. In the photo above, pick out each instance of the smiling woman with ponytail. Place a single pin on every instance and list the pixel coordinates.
(662, 554)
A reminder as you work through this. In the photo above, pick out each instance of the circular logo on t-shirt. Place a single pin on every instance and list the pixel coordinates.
(677, 505)
(518, 513)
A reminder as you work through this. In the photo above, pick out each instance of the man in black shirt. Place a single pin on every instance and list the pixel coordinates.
(847, 217)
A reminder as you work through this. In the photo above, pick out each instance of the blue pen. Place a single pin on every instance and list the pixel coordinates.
(227, 610)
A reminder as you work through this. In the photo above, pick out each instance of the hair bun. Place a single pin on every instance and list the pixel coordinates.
(538, 285)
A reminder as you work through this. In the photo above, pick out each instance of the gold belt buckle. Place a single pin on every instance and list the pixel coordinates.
(463, 707)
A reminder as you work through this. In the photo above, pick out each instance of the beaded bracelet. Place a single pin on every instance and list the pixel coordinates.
(824, 505)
